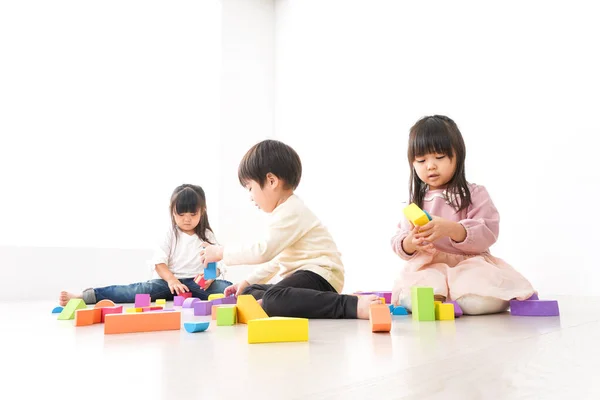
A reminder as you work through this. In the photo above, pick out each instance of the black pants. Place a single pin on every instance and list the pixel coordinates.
(304, 294)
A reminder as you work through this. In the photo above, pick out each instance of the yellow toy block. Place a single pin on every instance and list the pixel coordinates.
(414, 214)
(277, 329)
(131, 310)
(444, 311)
(215, 296)
(161, 302)
(382, 300)
(249, 309)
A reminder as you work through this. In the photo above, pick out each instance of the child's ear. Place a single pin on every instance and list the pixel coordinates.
(272, 180)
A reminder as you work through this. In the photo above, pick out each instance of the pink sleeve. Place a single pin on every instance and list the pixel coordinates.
(482, 224)
(404, 229)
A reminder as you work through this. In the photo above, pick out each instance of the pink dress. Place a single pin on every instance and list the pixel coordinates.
(466, 268)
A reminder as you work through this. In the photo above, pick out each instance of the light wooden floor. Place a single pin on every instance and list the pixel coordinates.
(487, 357)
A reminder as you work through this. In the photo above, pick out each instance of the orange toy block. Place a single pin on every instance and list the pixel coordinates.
(249, 309)
(142, 322)
(380, 317)
(213, 311)
(105, 303)
(88, 316)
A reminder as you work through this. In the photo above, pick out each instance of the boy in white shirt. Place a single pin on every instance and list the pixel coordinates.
(297, 245)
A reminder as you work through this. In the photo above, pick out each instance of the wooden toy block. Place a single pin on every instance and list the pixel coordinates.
(150, 309)
(213, 311)
(415, 215)
(228, 300)
(226, 315)
(186, 295)
(193, 327)
(142, 300)
(189, 303)
(88, 316)
(399, 311)
(457, 310)
(422, 303)
(57, 310)
(249, 309)
(200, 281)
(69, 311)
(202, 308)
(210, 272)
(277, 329)
(131, 310)
(216, 296)
(534, 297)
(142, 322)
(380, 317)
(111, 310)
(161, 302)
(178, 300)
(105, 303)
(534, 308)
(444, 311)
(391, 307)
(382, 300)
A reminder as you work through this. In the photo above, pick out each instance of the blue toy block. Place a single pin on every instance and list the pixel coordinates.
(391, 306)
(400, 311)
(193, 327)
(57, 310)
(211, 271)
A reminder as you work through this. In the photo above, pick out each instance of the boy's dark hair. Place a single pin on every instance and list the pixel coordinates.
(270, 156)
(190, 199)
(438, 134)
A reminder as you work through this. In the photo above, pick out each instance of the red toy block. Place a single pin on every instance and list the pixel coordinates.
(110, 310)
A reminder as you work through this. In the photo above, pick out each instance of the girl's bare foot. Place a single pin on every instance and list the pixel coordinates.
(64, 297)
(364, 302)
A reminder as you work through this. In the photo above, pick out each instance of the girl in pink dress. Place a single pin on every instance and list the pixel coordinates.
(451, 252)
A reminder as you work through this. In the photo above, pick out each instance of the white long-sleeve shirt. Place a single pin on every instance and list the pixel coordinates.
(296, 240)
(181, 257)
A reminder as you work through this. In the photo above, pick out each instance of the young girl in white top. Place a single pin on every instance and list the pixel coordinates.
(176, 260)
(297, 245)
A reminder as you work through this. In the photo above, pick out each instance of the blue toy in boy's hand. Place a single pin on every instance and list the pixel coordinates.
(211, 271)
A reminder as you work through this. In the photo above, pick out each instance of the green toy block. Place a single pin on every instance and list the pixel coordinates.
(226, 315)
(423, 308)
(69, 311)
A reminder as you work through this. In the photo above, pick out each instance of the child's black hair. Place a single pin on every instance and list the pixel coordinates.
(270, 156)
(190, 199)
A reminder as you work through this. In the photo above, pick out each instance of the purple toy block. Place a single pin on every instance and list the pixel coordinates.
(142, 300)
(203, 308)
(386, 295)
(178, 300)
(534, 297)
(534, 308)
(228, 300)
(189, 303)
(217, 302)
(457, 310)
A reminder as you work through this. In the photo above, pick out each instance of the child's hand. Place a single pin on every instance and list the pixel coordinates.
(211, 253)
(177, 287)
(411, 243)
(440, 227)
(236, 289)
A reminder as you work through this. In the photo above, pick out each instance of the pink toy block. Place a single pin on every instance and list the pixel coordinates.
(178, 300)
(534, 308)
(110, 310)
(457, 310)
(203, 308)
(189, 303)
(142, 300)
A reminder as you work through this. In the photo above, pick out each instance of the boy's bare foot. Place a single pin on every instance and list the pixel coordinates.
(64, 297)
(364, 302)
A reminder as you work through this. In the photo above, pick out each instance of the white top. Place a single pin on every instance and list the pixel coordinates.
(181, 257)
(295, 240)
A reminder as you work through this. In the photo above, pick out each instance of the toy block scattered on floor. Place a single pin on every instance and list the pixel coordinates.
(142, 300)
(111, 310)
(161, 302)
(178, 300)
(534, 297)
(57, 310)
(142, 322)
(249, 309)
(226, 315)
(382, 300)
(380, 317)
(277, 329)
(400, 311)
(457, 310)
(189, 303)
(210, 272)
(69, 311)
(215, 296)
(422, 303)
(229, 300)
(534, 308)
(202, 308)
(414, 214)
(186, 295)
(213, 311)
(131, 310)
(88, 316)
(193, 327)
(391, 307)
(150, 309)
(444, 311)
(105, 303)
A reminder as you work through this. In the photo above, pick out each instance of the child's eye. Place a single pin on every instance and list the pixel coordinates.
(440, 157)
(194, 214)
(420, 161)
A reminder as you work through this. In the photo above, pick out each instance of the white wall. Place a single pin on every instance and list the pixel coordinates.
(520, 79)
